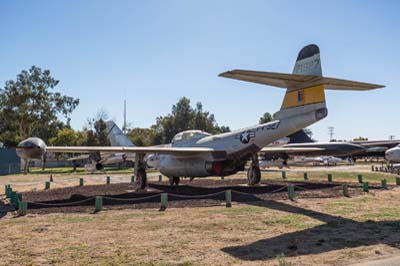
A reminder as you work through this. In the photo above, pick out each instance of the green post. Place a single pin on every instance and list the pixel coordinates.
(384, 183)
(228, 198)
(330, 178)
(360, 179)
(47, 185)
(98, 204)
(365, 187)
(13, 198)
(345, 190)
(283, 174)
(159, 178)
(291, 193)
(108, 180)
(19, 197)
(398, 181)
(164, 200)
(305, 176)
(132, 179)
(81, 182)
(7, 190)
(22, 208)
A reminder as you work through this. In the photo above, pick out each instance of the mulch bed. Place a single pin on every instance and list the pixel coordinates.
(126, 195)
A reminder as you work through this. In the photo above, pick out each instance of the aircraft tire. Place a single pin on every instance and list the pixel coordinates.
(142, 178)
(253, 175)
(174, 180)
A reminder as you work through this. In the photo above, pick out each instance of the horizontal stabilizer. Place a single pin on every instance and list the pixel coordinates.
(295, 81)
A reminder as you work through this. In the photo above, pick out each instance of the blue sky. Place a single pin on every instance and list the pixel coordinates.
(155, 52)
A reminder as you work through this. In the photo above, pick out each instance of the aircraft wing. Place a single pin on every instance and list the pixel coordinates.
(115, 149)
(282, 80)
(375, 143)
(290, 149)
(78, 158)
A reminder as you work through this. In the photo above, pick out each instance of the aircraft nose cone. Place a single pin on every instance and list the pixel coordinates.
(31, 148)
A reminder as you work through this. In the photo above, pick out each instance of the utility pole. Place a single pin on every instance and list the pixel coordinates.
(331, 133)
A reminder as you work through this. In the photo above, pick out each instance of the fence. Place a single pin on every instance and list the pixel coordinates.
(225, 195)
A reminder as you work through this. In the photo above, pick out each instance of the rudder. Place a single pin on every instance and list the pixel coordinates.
(308, 63)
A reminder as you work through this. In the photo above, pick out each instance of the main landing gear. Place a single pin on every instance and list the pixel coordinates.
(174, 180)
(254, 173)
(140, 171)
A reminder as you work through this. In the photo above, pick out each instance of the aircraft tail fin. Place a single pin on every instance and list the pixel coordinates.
(299, 137)
(305, 87)
(116, 136)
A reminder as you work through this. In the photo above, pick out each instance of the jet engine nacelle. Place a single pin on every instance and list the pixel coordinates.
(197, 167)
(176, 167)
(31, 148)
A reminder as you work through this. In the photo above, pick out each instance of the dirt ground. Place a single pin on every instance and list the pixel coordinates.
(320, 227)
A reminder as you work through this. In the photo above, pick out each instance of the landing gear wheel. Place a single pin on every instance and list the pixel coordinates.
(142, 178)
(174, 180)
(253, 175)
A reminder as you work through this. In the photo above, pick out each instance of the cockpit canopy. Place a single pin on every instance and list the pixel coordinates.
(189, 136)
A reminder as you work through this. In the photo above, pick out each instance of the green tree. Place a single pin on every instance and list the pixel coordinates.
(30, 107)
(267, 117)
(141, 136)
(96, 133)
(184, 117)
(65, 137)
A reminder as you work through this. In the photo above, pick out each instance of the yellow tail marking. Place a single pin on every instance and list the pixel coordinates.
(304, 96)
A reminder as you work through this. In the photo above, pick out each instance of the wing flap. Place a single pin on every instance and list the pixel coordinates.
(290, 149)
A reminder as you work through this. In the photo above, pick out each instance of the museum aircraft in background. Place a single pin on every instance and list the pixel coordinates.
(195, 153)
(393, 155)
(301, 145)
(97, 160)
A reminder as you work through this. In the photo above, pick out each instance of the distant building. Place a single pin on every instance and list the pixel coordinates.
(10, 163)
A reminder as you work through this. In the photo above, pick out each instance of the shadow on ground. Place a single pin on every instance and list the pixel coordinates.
(336, 233)
(4, 209)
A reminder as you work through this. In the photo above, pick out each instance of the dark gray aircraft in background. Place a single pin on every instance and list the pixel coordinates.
(300, 144)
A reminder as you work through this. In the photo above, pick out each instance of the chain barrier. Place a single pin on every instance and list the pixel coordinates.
(196, 196)
(252, 194)
(61, 204)
(133, 199)
(300, 187)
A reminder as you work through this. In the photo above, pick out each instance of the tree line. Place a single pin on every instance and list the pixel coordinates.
(30, 106)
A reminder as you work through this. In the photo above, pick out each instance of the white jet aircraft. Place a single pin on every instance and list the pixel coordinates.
(97, 160)
(195, 153)
(393, 154)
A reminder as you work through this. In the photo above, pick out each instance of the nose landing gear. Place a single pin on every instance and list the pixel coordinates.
(140, 170)
(254, 173)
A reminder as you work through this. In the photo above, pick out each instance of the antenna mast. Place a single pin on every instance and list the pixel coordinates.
(124, 128)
